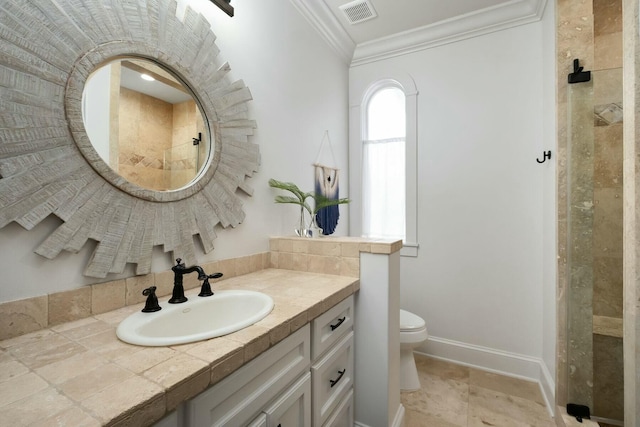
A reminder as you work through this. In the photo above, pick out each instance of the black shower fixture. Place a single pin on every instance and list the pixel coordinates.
(578, 76)
(224, 5)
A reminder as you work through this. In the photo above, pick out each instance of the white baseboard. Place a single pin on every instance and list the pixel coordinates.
(497, 361)
(398, 420)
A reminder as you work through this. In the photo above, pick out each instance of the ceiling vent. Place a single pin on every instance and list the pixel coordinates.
(358, 11)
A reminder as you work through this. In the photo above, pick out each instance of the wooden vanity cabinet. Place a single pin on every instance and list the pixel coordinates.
(240, 398)
(332, 369)
(305, 380)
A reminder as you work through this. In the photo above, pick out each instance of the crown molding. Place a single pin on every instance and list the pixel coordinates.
(318, 14)
(484, 21)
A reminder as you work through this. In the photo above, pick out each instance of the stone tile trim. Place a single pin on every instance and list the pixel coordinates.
(330, 255)
(327, 255)
(32, 314)
(91, 378)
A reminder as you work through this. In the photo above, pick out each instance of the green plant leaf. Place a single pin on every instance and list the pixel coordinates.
(300, 196)
(324, 202)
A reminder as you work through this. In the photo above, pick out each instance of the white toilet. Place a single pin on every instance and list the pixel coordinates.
(413, 332)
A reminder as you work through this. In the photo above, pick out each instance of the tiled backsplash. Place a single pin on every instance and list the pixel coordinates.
(32, 314)
(334, 255)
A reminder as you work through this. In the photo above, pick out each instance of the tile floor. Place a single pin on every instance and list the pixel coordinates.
(455, 395)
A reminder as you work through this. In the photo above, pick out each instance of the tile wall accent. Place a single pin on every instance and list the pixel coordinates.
(33, 314)
(335, 255)
(331, 255)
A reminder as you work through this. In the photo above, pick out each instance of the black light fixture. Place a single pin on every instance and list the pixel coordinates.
(224, 5)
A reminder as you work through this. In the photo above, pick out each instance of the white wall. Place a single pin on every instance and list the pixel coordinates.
(96, 104)
(299, 86)
(484, 107)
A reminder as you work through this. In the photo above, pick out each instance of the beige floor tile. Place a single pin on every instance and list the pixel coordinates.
(441, 368)
(489, 407)
(455, 395)
(507, 385)
(418, 419)
(444, 399)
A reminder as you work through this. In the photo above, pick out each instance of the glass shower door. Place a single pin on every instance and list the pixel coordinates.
(594, 247)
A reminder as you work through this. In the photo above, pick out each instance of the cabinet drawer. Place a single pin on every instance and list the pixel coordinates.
(240, 397)
(260, 421)
(343, 415)
(332, 379)
(293, 408)
(329, 327)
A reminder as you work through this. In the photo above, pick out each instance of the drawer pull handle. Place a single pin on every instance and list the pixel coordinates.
(334, 382)
(340, 321)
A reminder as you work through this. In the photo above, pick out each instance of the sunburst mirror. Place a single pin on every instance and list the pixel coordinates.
(49, 165)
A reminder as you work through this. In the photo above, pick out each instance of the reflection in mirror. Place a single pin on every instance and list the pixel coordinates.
(145, 124)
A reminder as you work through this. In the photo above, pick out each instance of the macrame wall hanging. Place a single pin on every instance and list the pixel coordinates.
(327, 184)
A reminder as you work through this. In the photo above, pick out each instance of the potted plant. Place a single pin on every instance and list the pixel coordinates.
(299, 198)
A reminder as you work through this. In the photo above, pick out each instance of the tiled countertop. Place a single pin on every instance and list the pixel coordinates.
(80, 374)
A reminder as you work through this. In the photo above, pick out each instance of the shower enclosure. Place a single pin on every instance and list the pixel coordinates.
(594, 246)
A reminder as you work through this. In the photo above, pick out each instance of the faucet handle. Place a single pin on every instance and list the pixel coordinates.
(151, 305)
(206, 291)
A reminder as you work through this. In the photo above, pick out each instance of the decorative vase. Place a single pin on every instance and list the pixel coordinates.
(314, 229)
(301, 228)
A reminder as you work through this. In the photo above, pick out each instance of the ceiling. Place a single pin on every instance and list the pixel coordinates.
(405, 25)
(396, 16)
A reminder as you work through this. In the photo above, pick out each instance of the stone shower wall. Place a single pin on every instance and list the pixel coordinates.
(145, 134)
(608, 378)
(182, 165)
(590, 244)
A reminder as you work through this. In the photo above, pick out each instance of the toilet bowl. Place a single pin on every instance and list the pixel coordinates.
(413, 332)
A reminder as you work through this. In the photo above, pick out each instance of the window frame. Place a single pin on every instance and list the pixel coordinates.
(360, 98)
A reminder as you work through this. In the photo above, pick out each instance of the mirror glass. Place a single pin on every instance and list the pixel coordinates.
(145, 124)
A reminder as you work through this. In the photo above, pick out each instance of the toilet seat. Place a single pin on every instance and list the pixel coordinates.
(409, 322)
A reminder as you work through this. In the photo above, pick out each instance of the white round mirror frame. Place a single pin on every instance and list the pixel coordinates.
(46, 166)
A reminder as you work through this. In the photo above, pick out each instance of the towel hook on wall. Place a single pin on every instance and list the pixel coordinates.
(546, 155)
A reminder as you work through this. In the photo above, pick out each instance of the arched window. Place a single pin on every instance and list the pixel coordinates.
(383, 165)
(383, 160)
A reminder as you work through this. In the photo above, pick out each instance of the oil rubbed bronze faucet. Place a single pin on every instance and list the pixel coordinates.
(180, 270)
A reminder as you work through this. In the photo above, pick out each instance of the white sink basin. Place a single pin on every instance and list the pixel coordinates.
(197, 319)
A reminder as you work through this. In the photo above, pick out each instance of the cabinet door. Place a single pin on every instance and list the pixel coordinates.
(240, 397)
(171, 420)
(293, 408)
